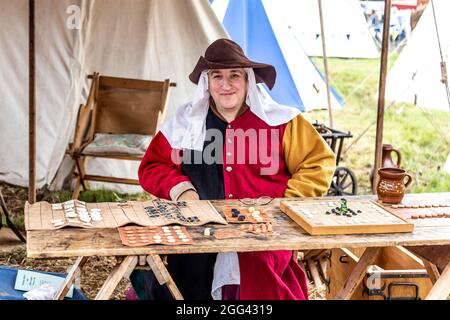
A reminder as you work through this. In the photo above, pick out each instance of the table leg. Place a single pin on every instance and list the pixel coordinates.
(432, 270)
(120, 270)
(357, 274)
(441, 289)
(163, 276)
(73, 272)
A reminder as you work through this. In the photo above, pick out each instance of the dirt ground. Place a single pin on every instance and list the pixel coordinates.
(95, 271)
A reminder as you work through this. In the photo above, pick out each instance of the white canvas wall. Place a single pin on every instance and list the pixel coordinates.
(147, 39)
(416, 75)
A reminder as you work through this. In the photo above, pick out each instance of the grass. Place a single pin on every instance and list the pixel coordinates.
(422, 136)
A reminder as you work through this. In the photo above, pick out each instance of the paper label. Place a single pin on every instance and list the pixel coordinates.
(27, 280)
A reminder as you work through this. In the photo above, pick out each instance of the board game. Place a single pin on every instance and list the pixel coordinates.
(245, 215)
(423, 212)
(343, 217)
(142, 236)
(154, 213)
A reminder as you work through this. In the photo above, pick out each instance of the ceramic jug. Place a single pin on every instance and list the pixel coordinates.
(391, 185)
(386, 158)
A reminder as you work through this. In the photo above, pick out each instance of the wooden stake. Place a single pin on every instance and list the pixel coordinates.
(74, 271)
(441, 289)
(325, 64)
(357, 274)
(381, 93)
(121, 270)
(32, 108)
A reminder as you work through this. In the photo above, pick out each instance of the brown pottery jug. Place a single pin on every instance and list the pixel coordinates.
(387, 160)
(391, 185)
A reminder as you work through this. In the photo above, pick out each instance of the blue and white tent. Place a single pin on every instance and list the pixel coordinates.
(266, 39)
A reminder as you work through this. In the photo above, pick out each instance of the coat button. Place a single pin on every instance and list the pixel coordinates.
(230, 195)
(228, 154)
(229, 140)
(229, 169)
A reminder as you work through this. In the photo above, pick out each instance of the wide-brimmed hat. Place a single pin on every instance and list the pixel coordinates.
(226, 54)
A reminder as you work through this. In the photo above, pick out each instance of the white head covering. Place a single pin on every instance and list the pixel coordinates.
(187, 128)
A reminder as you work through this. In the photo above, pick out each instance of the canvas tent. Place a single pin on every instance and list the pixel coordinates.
(148, 39)
(346, 29)
(416, 75)
(265, 37)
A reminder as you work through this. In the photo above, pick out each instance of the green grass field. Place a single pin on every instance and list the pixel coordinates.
(422, 136)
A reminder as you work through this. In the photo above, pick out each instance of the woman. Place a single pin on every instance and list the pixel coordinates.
(234, 142)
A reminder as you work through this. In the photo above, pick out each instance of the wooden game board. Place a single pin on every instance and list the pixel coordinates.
(245, 212)
(310, 215)
(423, 212)
(142, 236)
(42, 215)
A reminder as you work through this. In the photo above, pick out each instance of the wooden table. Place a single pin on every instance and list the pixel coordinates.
(430, 242)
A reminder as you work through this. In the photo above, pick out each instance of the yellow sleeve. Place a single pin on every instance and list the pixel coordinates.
(309, 160)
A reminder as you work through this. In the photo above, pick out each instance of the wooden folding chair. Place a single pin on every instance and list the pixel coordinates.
(116, 106)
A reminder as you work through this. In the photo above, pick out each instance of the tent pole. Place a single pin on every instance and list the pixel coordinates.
(381, 92)
(32, 108)
(325, 63)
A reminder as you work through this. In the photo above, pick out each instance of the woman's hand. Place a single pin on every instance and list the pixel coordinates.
(189, 195)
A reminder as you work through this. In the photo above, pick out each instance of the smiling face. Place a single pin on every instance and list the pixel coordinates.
(228, 88)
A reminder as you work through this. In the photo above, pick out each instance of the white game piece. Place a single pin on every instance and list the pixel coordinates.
(170, 240)
(251, 209)
(182, 236)
(156, 237)
(85, 219)
(185, 240)
(57, 206)
(157, 240)
(97, 218)
(176, 227)
(88, 224)
(206, 232)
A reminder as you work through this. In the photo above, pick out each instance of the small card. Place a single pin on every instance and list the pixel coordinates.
(27, 280)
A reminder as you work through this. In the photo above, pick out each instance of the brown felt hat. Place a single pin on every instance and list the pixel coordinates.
(226, 54)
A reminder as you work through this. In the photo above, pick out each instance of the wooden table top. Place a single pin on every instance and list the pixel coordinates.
(74, 242)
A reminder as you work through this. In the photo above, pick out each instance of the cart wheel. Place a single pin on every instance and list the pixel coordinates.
(344, 183)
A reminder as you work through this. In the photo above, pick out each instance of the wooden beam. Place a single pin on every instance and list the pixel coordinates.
(441, 289)
(31, 106)
(432, 271)
(325, 64)
(381, 93)
(120, 270)
(312, 266)
(357, 274)
(163, 276)
(437, 255)
(111, 179)
(73, 272)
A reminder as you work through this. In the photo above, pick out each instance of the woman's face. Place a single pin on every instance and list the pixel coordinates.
(228, 88)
